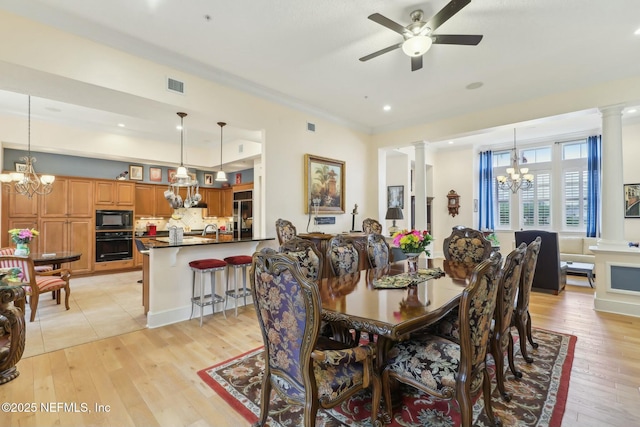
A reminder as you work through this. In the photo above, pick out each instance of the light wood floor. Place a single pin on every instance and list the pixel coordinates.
(148, 377)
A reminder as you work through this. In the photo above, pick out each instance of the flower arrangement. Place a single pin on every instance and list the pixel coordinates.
(23, 235)
(412, 241)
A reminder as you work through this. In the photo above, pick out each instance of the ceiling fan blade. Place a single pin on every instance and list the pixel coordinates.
(380, 52)
(446, 12)
(386, 22)
(416, 62)
(463, 39)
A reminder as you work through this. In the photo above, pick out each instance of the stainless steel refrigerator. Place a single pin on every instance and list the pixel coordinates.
(243, 214)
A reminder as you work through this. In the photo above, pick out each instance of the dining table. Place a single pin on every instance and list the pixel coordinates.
(367, 301)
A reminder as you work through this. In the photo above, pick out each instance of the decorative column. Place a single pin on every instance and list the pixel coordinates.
(420, 185)
(612, 178)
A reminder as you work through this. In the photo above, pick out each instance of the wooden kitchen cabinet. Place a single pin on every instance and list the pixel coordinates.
(145, 200)
(71, 197)
(72, 235)
(162, 207)
(21, 206)
(35, 245)
(115, 193)
(226, 202)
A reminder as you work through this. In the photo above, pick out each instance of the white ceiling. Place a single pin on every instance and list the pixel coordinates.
(305, 54)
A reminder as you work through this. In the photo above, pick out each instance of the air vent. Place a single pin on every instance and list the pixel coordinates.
(175, 85)
(311, 127)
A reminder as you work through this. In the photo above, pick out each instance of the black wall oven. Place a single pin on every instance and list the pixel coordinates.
(114, 245)
(114, 220)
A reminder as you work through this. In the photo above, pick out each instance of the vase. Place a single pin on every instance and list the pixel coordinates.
(22, 249)
(412, 263)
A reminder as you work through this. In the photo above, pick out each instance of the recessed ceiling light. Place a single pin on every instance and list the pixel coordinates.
(474, 85)
(450, 142)
(637, 32)
(387, 108)
(631, 111)
(121, 125)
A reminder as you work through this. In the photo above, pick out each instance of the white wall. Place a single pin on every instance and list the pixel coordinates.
(40, 51)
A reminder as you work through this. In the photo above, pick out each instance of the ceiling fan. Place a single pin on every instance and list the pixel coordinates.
(418, 35)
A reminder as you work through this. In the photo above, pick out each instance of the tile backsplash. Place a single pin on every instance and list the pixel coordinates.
(191, 219)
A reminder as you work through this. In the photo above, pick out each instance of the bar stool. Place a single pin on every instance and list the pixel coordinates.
(236, 262)
(202, 266)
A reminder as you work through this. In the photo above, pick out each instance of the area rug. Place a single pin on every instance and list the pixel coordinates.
(538, 399)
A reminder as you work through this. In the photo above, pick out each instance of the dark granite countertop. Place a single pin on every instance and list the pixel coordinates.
(165, 233)
(158, 242)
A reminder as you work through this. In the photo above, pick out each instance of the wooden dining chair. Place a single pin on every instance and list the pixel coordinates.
(300, 366)
(378, 250)
(308, 256)
(342, 255)
(445, 369)
(370, 225)
(285, 230)
(500, 338)
(521, 317)
(36, 284)
(466, 245)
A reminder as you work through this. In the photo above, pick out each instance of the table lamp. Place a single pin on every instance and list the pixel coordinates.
(394, 213)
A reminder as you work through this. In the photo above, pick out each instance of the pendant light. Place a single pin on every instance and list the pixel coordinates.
(221, 176)
(181, 173)
(28, 183)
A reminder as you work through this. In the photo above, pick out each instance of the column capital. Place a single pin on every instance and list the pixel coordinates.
(608, 110)
(420, 144)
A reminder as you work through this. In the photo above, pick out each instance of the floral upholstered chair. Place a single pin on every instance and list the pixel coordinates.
(521, 317)
(35, 284)
(342, 255)
(308, 256)
(289, 310)
(466, 245)
(443, 368)
(285, 230)
(370, 225)
(377, 250)
(500, 338)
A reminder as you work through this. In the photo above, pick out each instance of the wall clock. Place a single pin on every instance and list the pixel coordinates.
(453, 202)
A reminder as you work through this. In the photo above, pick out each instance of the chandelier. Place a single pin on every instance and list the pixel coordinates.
(221, 176)
(517, 178)
(27, 183)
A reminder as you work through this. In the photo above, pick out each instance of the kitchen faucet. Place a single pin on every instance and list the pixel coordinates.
(214, 226)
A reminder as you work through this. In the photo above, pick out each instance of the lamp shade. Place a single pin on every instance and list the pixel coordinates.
(394, 213)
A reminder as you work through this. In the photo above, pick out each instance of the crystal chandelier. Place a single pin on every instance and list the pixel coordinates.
(28, 183)
(517, 178)
(221, 176)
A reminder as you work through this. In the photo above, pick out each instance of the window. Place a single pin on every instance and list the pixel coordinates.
(561, 167)
(574, 184)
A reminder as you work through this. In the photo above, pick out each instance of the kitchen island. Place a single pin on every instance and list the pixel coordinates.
(168, 277)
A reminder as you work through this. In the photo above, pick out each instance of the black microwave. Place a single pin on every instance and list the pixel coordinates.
(114, 220)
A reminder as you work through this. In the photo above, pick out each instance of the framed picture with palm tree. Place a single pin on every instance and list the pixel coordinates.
(324, 183)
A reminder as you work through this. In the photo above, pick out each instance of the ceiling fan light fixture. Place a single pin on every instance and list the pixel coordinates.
(417, 45)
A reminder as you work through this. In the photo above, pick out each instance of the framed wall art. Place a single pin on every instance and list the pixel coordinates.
(632, 200)
(21, 167)
(324, 183)
(155, 174)
(208, 179)
(135, 172)
(395, 196)
(171, 174)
